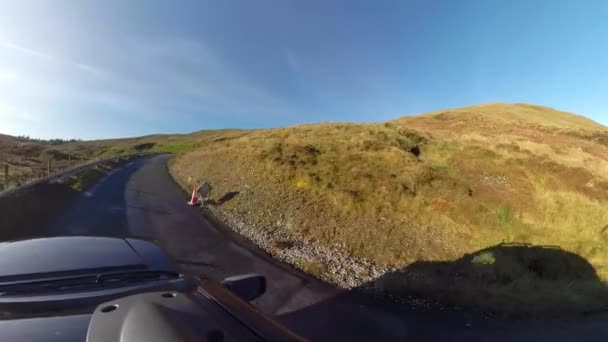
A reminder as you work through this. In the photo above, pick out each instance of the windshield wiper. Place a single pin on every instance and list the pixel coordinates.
(103, 280)
(134, 277)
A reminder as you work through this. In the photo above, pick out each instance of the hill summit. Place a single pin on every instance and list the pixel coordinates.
(519, 114)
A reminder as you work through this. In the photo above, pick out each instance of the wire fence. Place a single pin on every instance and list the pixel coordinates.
(14, 175)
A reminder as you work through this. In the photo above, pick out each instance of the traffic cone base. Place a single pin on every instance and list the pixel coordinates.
(194, 199)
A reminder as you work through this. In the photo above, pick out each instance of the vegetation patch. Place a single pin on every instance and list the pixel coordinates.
(484, 258)
(504, 215)
(314, 268)
(85, 179)
(174, 147)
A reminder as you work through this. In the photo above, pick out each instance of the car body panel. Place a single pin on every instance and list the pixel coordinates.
(67, 259)
(46, 329)
(150, 256)
(28, 259)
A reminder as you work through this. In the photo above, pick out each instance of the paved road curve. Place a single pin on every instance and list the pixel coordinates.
(141, 199)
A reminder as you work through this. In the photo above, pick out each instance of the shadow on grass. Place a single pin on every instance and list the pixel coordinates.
(508, 281)
(225, 198)
(512, 279)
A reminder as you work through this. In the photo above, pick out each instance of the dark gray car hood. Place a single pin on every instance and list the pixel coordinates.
(20, 260)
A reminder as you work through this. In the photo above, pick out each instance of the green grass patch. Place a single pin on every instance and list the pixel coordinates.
(504, 215)
(484, 258)
(176, 148)
(440, 168)
(86, 178)
(445, 148)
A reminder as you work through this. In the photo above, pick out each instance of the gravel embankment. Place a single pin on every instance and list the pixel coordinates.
(339, 268)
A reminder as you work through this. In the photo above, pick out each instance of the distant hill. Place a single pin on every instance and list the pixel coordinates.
(28, 158)
(426, 188)
(4, 137)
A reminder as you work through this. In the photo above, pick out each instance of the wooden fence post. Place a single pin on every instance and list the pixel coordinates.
(48, 167)
(69, 161)
(5, 176)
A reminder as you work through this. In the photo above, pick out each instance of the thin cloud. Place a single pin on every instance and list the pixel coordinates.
(52, 59)
(19, 48)
(193, 69)
(91, 69)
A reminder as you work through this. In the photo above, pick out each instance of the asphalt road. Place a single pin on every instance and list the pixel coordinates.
(141, 199)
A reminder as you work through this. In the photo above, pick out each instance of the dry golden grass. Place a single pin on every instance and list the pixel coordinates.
(335, 182)
(464, 188)
(575, 222)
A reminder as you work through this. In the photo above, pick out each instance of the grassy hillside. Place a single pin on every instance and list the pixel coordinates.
(431, 188)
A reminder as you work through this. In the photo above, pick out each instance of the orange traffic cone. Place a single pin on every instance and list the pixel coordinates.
(194, 199)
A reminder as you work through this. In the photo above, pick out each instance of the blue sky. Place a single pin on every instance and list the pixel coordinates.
(99, 69)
